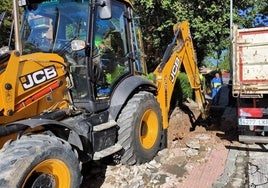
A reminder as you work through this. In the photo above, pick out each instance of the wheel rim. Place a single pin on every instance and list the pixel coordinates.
(50, 173)
(148, 129)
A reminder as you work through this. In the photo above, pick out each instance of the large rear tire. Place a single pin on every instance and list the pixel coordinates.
(140, 130)
(39, 161)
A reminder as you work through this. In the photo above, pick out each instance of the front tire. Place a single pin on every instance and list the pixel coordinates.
(140, 130)
(39, 161)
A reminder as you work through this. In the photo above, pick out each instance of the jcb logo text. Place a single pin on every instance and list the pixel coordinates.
(174, 70)
(30, 80)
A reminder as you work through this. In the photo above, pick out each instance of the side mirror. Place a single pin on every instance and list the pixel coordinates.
(104, 9)
(22, 3)
(4, 50)
(77, 45)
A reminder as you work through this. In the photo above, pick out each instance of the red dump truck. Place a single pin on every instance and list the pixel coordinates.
(250, 82)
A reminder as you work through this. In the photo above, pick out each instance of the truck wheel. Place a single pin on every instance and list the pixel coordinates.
(140, 129)
(39, 161)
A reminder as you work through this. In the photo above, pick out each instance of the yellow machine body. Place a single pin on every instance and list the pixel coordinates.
(182, 53)
(31, 84)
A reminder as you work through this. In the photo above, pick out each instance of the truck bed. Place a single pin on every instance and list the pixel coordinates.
(250, 62)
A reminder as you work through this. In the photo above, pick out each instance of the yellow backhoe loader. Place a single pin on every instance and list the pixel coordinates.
(74, 90)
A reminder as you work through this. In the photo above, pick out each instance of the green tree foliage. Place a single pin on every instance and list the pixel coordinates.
(253, 10)
(6, 6)
(209, 21)
(264, 9)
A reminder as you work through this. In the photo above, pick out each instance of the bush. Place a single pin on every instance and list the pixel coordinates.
(182, 91)
(186, 89)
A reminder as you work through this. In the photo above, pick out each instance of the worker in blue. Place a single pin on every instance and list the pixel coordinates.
(216, 84)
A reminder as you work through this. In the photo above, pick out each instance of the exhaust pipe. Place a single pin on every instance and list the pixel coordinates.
(18, 46)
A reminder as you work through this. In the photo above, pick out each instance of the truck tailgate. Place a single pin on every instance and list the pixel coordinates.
(250, 61)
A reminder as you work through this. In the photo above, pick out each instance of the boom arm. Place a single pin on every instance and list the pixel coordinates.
(179, 51)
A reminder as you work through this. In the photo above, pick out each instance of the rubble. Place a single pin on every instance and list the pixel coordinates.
(186, 156)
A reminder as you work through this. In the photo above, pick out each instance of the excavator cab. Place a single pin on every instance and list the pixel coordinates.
(92, 37)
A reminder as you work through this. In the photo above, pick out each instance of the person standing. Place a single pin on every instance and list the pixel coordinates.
(216, 84)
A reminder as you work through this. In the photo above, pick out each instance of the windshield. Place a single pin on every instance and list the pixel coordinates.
(51, 26)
